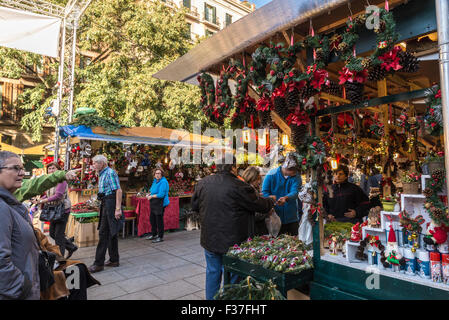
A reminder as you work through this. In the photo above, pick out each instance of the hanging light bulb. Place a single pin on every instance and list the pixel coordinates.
(285, 140)
(334, 164)
(246, 135)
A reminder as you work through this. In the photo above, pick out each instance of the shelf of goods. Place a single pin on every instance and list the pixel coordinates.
(414, 272)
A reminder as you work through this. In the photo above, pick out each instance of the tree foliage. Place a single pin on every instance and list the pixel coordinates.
(134, 39)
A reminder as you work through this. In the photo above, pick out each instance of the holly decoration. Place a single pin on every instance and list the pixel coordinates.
(433, 119)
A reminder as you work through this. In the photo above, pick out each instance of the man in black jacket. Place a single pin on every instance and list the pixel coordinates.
(224, 203)
(345, 201)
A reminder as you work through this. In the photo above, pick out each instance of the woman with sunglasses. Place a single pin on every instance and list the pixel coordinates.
(158, 202)
(19, 252)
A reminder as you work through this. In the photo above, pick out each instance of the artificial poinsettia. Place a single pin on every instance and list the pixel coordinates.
(319, 76)
(390, 60)
(280, 91)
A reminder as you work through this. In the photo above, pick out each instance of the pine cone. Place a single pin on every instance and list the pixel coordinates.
(361, 19)
(320, 54)
(366, 62)
(427, 192)
(408, 62)
(438, 174)
(280, 106)
(333, 88)
(292, 98)
(342, 46)
(299, 135)
(307, 91)
(265, 118)
(354, 92)
(376, 73)
(382, 26)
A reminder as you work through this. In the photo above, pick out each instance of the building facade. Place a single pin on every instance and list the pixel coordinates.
(205, 17)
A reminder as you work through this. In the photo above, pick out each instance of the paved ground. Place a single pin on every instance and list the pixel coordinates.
(170, 270)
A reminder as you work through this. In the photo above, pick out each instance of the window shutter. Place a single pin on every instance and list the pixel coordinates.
(187, 3)
(214, 13)
(206, 12)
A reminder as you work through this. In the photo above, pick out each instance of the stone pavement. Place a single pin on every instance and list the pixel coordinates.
(170, 270)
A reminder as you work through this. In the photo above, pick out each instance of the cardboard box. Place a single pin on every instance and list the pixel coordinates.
(86, 234)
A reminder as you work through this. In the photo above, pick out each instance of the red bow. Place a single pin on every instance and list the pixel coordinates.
(263, 104)
(438, 95)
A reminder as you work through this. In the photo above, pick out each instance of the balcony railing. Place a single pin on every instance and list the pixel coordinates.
(193, 12)
(215, 23)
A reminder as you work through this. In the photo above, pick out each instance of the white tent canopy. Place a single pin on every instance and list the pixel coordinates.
(30, 32)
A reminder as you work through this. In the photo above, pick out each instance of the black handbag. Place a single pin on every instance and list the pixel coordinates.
(46, 264)
(53, 212)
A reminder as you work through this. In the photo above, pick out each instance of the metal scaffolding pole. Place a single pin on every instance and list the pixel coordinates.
(442, 12)
(70, 15)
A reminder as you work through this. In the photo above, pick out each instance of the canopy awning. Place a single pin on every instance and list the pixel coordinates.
(250, 30)
(141, 135)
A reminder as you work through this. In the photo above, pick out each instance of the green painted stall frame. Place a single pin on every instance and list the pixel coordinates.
(283, 281)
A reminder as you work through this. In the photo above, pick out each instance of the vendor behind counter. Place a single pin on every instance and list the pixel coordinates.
(345, 201)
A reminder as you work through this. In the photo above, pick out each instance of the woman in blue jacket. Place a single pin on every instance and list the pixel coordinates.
(284, 183)
(158, 202)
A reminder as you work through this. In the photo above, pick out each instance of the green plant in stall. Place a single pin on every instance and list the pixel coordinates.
(335, 227)
(249, 289)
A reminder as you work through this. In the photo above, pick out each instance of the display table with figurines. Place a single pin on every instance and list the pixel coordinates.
(410, 245)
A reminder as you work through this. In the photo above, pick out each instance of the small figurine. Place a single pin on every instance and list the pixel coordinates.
(333, 245)
(374, 217)
(356, 233)
(436, 234)
(391, 255)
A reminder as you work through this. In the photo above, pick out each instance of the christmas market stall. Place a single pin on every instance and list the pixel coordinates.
(350, 83)
(134, 153)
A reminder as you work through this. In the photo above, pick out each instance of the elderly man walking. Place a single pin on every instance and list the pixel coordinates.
(111, 218)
